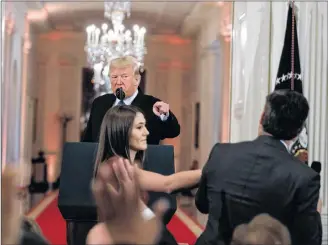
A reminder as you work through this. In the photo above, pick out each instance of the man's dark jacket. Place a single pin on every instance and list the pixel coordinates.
(158, 129)
(245, 179)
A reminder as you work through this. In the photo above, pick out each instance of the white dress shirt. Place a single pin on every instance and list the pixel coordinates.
(285, 144)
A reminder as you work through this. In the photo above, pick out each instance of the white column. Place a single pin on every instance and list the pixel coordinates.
(9, 28)
(50, 98)
(25, 144)
(250, 67)
(173, 98)
(206, 105)
(2, 46)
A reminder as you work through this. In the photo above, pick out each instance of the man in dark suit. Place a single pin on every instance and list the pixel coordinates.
(124, 73)
(245, 179)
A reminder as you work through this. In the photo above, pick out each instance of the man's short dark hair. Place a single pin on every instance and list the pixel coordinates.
(285, 113)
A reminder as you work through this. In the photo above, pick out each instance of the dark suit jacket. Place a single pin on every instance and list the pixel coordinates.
(245, 179)
(158, 129)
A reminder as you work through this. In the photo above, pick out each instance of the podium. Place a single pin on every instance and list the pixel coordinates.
(75, 200)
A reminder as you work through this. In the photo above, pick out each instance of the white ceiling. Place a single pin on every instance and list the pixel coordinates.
(159, 17)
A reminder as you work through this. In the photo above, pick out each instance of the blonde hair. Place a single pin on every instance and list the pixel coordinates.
(126, 61)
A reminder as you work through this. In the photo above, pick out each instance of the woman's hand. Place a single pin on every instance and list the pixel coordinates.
(119, 206)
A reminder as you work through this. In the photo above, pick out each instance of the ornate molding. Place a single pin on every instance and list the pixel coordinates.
(27, 46)
(9, 24)
(173, 64)
(35, 5)
(27, 43)
(195, 19)
(225, 20)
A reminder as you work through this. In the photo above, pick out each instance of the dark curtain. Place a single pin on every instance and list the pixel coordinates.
(142, 85)
(88, 94)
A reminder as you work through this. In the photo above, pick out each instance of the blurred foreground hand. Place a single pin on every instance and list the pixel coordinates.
(118, 197)
(10, 207)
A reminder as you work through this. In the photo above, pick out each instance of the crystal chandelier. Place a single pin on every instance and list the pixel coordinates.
(104, 44)
(117, 10)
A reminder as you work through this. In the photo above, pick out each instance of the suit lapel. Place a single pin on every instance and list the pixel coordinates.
(111, 100)
(138, 99)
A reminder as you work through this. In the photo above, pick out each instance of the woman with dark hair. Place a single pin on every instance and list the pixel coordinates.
(124, 133)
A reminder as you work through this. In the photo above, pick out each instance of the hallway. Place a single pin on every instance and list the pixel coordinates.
(212, 62)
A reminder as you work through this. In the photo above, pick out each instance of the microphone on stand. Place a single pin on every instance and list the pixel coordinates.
(119, 93)
(316, 166)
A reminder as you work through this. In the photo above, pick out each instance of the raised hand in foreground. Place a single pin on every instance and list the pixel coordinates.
(10, 206)
(118, 197)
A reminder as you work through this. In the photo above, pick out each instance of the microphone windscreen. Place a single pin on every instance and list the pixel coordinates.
(316, 166)
(120, 94)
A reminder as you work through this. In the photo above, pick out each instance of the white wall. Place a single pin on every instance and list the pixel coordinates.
(212, 88)
(262, 51)
(2, 42)
(15, 147)
(250, 67)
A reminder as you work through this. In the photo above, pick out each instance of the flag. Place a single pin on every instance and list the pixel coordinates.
(290, 67)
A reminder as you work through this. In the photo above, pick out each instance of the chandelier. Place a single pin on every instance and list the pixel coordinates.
(117, 10)
(104, 44)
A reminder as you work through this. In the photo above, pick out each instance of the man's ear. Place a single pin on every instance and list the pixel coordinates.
(260, 128)
(261, 118)
(137, 79)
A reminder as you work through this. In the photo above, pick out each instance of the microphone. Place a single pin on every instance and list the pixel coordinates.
(119, 93)
(316, 166)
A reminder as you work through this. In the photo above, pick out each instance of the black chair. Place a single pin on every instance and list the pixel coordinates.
(75, 200)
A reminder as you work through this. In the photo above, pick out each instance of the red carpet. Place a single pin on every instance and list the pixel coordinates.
(47, 215)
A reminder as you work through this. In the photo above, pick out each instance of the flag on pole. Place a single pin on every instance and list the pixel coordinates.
(289, 74)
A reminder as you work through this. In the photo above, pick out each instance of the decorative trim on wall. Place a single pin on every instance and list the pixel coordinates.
(9, 24)
(197, 125)
(173, 64)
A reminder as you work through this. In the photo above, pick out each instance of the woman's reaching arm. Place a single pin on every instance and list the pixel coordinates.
(150, 181)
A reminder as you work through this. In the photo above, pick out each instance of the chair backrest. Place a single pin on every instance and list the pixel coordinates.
(76, 202)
